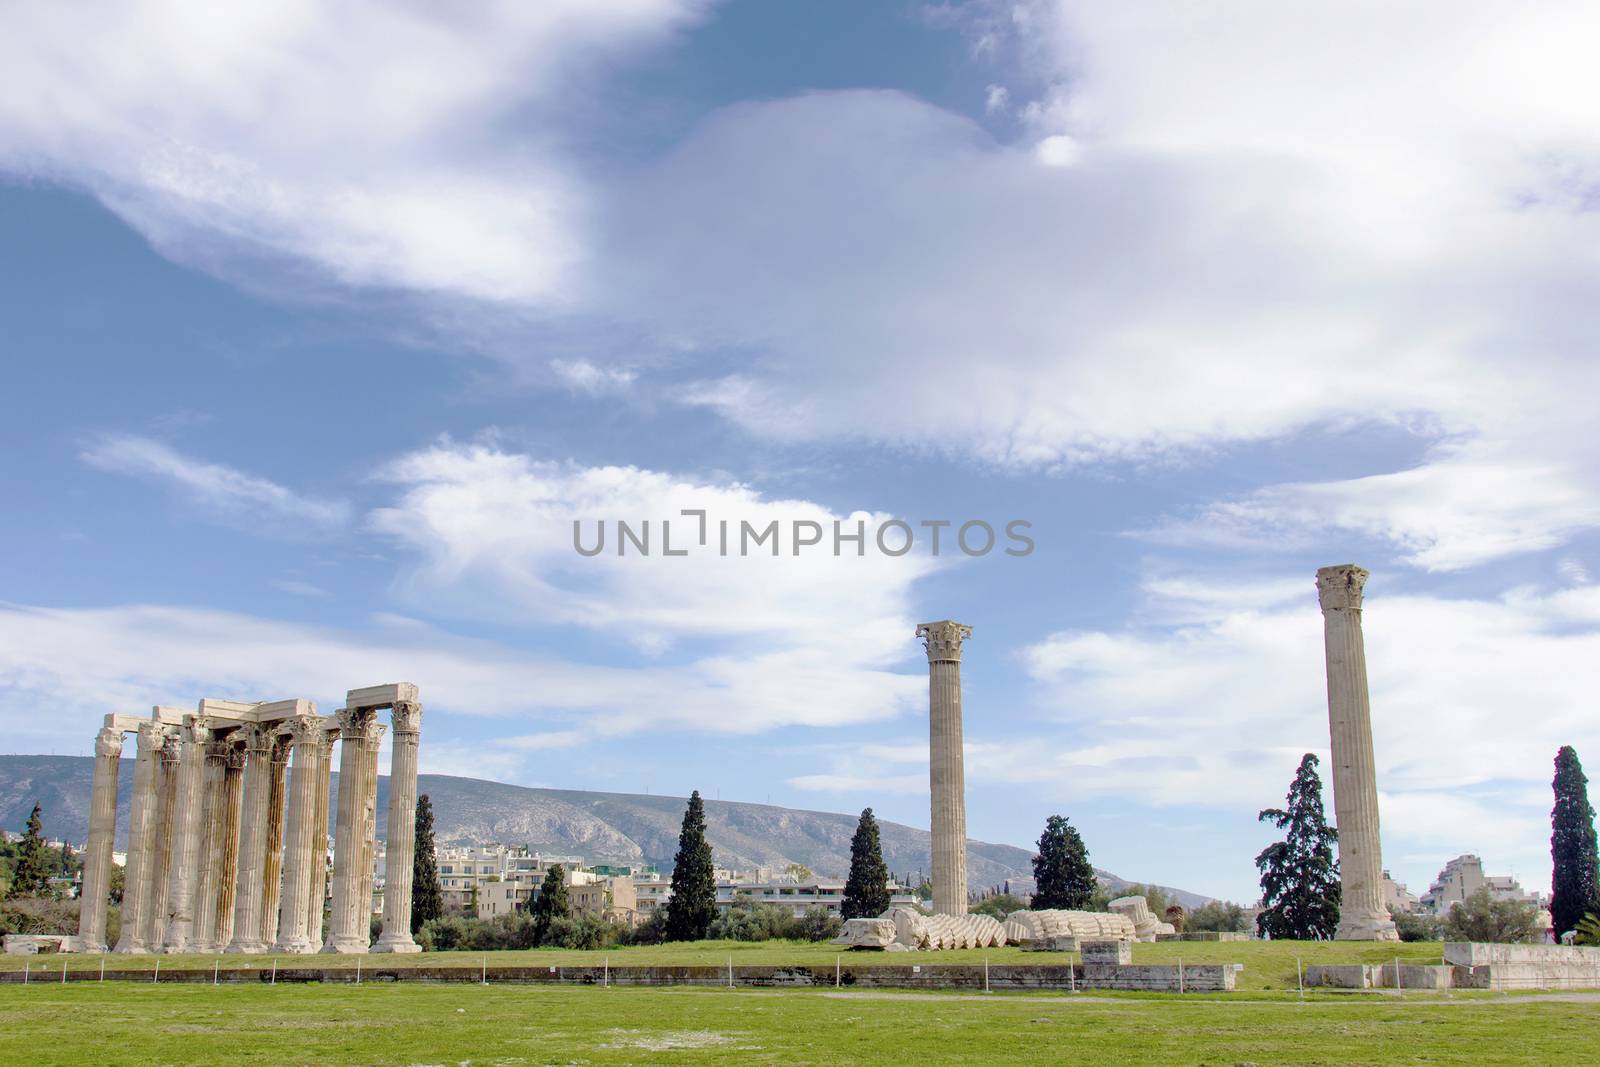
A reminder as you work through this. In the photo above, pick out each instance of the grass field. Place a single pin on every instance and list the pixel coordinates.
(146, 1024)
(1268, 965)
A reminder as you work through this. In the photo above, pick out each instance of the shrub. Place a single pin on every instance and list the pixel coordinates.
(817, 924)
(1416, 926)
(1219, 916)
(1482, 918)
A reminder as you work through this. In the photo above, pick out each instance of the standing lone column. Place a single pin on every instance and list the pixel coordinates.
(1362, 914)
(299, 839)
(945, 774)
(402, 832)
(252, 841)
(102, 835)
(347, 920)
(183, 863)
(141, 822)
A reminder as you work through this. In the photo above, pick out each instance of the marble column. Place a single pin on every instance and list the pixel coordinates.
(272, 862)
(348, 921)
(252, 841)
(184, 862)
(141, 836)
(102, 838)
(213, 797)
(154, 920)
(945, 773)
(369, 830)
(299, 838)
(1363, 915)
(228, 848)
(319, 869)
(401, 838)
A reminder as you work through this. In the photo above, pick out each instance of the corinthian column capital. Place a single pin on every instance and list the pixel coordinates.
(407, 718)
(108, 742)
(943, 640)
(306, 730)
(1340, 587)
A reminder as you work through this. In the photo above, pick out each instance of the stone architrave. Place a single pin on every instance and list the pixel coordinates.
(1363, 915)
(183, 863)
(299, 851)
(272, 860)
(348, 921)
(253, 815)
(402, 832)
(227, 878)
(943, 642)
(212, 791)
(102, 837)
(319, 868)
(141, 835)
(154, 921)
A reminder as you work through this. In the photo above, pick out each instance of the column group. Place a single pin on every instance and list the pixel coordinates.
(228, 827)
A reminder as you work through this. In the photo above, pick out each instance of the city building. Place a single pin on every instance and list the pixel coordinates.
(1462, 877)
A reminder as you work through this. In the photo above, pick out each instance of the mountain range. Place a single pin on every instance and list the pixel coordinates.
(601, 827)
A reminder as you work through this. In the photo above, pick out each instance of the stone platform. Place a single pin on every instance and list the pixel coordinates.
(1473, 965)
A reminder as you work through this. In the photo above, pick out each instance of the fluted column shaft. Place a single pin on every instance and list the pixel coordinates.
(1363, 915)
(401, 839)
(293, 932)
(212, 786)
(253, 814)
(183, 863)
(272, 862)
(347, 920)
(102, 838)
(141, 824)
(369, 832)
(154, 920)
(227, 880)
(319, 869)
(946, 776)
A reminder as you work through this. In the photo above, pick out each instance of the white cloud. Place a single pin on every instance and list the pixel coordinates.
(227, 494)
(297, 587)
(370, 140)
(584, 377)
(1471, 699)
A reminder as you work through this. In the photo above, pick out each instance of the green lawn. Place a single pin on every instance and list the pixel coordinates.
(1267, 964)
(145, 1023)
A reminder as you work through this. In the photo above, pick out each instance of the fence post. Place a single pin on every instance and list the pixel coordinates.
(836, 968)
(986, 974)
(157, 976)
(1180, 974)
(274, 972)
(730, 972)
(1299, 981)
(102, 968)
(26, 967)
(216, 967)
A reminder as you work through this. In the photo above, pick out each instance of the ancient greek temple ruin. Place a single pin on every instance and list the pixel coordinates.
(227, 835)
(1363, 915)
(946, 778)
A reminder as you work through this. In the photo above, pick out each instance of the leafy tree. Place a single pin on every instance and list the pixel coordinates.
(866, 891)
(1573, 888)
(693, 906)
(998, 906)
(427, 896)
(1416, 926)
(817, 924)
(30, 874)
(119, 880)
(1588, 930)
(1219, 916)
(1483, 918)
(552, 903)
(799, 872)
(1062, 875)
(1299, 875)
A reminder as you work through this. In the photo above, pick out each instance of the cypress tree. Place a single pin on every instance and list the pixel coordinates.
(1062, 874)
(427, 897)
(30, 874)
(552, 902)
(694, 887)
(1299, 875)
(866, 891)
(1573, 884)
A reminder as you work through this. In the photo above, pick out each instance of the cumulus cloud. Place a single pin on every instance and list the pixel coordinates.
(1471, 699)
(227, 494)
(368, 141)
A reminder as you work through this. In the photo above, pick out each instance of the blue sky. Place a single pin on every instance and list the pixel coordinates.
(320, 326)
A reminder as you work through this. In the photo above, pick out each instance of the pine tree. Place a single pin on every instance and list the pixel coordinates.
(552, 902)
(1062, 873)
(1573, 888)
(866, 891)
(30, 874)
(694, 888)
(427, 896)
(1299, 875)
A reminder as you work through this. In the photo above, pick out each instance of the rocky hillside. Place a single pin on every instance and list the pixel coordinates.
(601, 827)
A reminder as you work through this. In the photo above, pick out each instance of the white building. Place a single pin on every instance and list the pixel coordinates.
(1462, 877)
